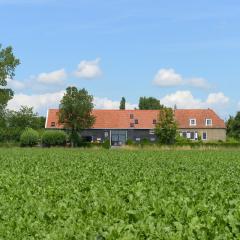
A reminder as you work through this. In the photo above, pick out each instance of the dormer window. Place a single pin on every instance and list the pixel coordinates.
(208, 122)
(154, 121)
(131, 125)
(131, 116)
(193, 122)
(136, 121)
(53, 124)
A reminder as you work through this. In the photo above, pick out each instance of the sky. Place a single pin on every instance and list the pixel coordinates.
(182, 52)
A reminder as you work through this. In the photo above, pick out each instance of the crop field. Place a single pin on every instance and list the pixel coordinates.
(118, 194)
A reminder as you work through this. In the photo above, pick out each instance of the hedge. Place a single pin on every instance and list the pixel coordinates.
(54, 138)
(29, 137)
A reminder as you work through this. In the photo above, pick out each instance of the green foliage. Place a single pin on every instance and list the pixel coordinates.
(54, 138)
(8, 63)
(144, 142)
(149, 103)
(129, 142)
(106, 144)
(25, 117)
(29, 138)
(75, 111)
(233, 126)
(117, 194)
(10, 134)
(166, 127)
(181, 140)
(122, 104)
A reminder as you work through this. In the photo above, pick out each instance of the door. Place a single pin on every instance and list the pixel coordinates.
(118, 137)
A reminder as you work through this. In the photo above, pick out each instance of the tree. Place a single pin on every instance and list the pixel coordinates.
(122, 104)
(75, 112)
(25, 117)
(8, 63)
(149, 103)
(166, 127)
(233, 126)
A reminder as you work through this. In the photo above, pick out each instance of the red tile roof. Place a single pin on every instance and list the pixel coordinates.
(120, 119)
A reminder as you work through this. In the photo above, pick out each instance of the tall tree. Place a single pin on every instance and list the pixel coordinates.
(122, 104)
(166, 127)
(8, 63)
(233, 126)
(75, 112)
(149, 103)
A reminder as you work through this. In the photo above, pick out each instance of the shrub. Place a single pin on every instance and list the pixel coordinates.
(106, 144)
(29, 137)
(129, 142)
(10, 134)
(54, 138)
(144, 142)
(182, 140)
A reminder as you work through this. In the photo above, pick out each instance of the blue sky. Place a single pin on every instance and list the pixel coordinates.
(182, 52)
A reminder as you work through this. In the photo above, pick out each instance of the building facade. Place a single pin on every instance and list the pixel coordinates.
(120, 125)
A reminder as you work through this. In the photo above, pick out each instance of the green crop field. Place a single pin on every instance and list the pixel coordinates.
(118, 194)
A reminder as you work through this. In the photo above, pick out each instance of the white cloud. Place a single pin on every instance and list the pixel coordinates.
(185, 99)
(199, 83)
(167, 78)
(105, 103)
(40, 102)
(88, 69)
(217, 98)
(14, 84)
(54, 77)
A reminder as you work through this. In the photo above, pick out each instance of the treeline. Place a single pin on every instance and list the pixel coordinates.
(13, 123)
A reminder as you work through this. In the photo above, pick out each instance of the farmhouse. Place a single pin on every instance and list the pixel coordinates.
(120, 125)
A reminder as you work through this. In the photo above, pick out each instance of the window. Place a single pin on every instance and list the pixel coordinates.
(53, 124)
(152, 139)
(131, 125)
(184, 134)
(105, 134)
(193, 122)
(188, 135)
(131, 116)
(151, 132)
(204, 136)
(138, 139)
(209, 122)
(136, 121)
(154, 121)
(99, 139)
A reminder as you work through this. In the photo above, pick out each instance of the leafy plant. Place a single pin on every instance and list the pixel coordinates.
(54, 138)
(29, 138)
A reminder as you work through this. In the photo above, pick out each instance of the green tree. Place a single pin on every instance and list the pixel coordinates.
(233, 126)
(25, 117)
(149, 103)
(75, 112)
(122, 104)
(166, 127)
(8, 63)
